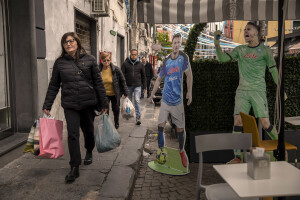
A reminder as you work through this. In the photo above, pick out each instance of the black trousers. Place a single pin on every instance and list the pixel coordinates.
(115, 106)
(76, 119)
(148, 86)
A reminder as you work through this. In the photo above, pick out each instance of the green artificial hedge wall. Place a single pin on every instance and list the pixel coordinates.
(214, 86)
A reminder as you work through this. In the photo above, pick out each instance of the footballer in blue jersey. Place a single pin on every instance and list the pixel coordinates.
(172, 100)
(172, 71)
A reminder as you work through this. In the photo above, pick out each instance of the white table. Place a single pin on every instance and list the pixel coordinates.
(284, 181)
(293, 120)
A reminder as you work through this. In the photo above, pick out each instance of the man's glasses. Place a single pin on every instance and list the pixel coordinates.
(107, 60)
(69, 41)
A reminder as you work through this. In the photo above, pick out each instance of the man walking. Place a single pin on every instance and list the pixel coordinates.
(134, 73)
(149, 74)
(172, 70)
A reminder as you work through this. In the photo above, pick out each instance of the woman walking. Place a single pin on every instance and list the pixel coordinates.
(82, 89)
(114, 83)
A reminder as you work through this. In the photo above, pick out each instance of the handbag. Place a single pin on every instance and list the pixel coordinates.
(106, 135)
(51, 132)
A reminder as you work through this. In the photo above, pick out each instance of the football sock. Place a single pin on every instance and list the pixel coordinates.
(237, 130)
(181, 138)
(272, 132)
(161, 137)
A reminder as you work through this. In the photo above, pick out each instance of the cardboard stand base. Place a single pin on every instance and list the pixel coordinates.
(173, 165)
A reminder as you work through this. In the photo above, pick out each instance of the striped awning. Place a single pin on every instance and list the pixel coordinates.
(200, 11)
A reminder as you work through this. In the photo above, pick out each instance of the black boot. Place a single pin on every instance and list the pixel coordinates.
(72, 175)
(88, 158)
(117, 125)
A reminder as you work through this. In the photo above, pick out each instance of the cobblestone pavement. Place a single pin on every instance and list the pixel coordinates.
(153, 185)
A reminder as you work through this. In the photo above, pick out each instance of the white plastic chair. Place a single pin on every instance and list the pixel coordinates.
(222, 141)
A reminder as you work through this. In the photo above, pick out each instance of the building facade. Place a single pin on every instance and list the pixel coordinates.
(271, 30)
(30, 34)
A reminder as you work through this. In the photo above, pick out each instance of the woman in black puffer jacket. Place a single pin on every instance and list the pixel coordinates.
(114, 83)
(82, 90)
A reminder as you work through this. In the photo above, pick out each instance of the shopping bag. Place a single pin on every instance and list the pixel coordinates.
(29, 144)
(106, 135)
(50, 137)
(32, 144)
(128, 109)
(36, 138)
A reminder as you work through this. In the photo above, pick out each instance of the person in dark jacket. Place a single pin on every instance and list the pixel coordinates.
(114, 83)
(134, 73)
(82, 89)
(149, 74)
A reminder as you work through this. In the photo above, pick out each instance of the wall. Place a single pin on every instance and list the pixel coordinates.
(144, 42)
(23, 64)
(273, 29)
(59, 19)
(239, 26)
(238, 31)
(117, 21)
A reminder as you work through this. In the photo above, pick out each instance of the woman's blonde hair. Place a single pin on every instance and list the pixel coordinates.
(104, 55)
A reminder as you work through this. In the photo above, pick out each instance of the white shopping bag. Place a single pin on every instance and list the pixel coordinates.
(128, 109)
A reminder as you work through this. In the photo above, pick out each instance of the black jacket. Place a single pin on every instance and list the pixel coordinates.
(134, 73)
(119, 81)
(149, 70)
(76, 92)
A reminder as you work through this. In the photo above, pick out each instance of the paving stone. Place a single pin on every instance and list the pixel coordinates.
(134, 143)
(120, 177)
(164, 190)
(139, 132)
(128, 157)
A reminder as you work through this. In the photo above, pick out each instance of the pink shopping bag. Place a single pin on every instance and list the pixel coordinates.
(51, 138)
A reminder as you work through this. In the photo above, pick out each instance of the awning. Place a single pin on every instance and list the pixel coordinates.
(296, 46)
(200, 11)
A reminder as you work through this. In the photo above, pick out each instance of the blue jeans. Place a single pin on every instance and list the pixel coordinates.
(137, 96)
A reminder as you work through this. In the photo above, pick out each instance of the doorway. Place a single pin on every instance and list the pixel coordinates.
(120, 50)
(5, 113)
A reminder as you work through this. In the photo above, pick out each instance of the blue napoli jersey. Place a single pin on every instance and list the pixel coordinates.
(173, 70)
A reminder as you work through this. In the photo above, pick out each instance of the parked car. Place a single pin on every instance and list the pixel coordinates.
(158, 95)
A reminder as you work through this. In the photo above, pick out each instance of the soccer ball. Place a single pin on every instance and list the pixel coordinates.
(161, 156)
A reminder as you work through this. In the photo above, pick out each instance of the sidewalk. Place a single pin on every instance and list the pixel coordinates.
(109, 177)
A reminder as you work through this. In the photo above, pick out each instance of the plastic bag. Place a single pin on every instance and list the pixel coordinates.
(128, 109)
(106, 135)
(51, 132)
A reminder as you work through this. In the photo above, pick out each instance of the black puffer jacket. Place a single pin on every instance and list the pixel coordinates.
(119, 81)
(134, 73)
(76, 93)
(149, 70)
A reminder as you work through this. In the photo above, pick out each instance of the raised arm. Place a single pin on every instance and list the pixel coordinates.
(222, 57)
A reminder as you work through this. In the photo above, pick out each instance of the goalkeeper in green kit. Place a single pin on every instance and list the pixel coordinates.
(252, 62)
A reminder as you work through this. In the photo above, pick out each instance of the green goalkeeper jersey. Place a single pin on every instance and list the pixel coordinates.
(252, 62)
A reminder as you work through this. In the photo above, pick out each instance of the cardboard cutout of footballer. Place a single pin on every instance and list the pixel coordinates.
(253, 58)
(174, 66)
